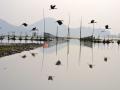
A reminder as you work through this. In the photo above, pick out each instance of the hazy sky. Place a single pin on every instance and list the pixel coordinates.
(30, 11)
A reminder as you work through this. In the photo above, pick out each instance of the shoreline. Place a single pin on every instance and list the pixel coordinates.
(10, 49)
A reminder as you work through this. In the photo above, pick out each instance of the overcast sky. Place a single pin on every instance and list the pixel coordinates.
(30, 11)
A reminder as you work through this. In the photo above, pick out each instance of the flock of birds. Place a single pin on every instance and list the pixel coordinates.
(60, 22)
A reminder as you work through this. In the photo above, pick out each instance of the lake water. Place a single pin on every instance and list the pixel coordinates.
(31, 73)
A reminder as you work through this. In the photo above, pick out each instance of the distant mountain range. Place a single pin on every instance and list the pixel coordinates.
(51, 27)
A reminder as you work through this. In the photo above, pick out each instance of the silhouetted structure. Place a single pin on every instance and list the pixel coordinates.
(26, 38)
(1, 37)
(8, 37)
(80, 28)
(20, 37)
(44, 24)
(13, 36)
(32, 38)
(68, 36)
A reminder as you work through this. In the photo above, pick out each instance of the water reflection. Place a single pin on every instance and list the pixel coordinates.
(68, 42)
(80, 50)
(67, 63)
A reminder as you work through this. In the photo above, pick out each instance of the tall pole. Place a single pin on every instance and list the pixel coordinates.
(80, 27)
(44, 22)
(8, 37)
(69, 28)
(93, 29)
(57, 33)
(68, 37)
(56, 40)
(44, 41)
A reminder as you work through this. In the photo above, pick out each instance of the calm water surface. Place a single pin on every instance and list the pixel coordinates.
(32, 73)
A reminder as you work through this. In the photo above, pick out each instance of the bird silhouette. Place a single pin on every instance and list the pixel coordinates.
(25, 24)
(91, 66)
(118, 42)
(50, 78)
(93, 21)
(33, 54)
(24, 56)
(58, 62)
(107, 27)
(34, 29)
(105, 59)
(52, 7)
(60, 22)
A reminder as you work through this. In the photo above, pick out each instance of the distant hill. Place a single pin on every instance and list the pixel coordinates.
(51, 27)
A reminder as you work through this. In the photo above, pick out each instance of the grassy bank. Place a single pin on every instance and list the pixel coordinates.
(10, 49)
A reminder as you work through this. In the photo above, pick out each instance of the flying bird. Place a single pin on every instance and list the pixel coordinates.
(52, 7)
(60, 22)
(107, 27)
(93, 21)
(25, 24)
(34, 29)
